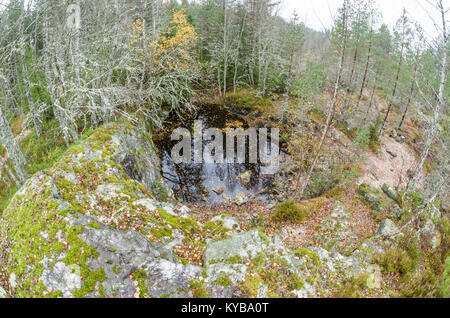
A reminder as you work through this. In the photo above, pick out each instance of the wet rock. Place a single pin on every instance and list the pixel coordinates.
(220, 190)
(241, 198)
(245, 177)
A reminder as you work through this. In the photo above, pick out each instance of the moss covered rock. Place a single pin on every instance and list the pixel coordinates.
(96, 225)
(79, 229)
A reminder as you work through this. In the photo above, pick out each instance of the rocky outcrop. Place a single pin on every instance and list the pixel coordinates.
(100, 223)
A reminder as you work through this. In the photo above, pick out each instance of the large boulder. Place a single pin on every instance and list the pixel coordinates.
(387, 229)
(101, 223)
(82, 229)
(389, 191)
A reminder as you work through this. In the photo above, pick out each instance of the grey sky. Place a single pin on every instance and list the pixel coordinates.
(318, 14)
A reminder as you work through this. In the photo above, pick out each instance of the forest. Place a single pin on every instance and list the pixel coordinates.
(91, 91)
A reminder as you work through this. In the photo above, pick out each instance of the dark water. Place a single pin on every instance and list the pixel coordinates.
(196, 182)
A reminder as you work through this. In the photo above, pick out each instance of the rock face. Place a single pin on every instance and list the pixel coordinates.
(241, 198)
(100, 223)
(80, 229)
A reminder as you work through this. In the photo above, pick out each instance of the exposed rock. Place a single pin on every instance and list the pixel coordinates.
(226, 197)
(373, 197)
(92, 234)
(233, 273)
(387, 229)
(242, 245)
(90, 227)
(400, 139)
(374, 277)
(393, 133)
(220, 190)
(389, 191)
(13, 280)
(3, 293)
(397, 212)
(334, 234)
(245, 177)
(227, 221)
(393, 154)
(241, 198)
(136, 154)
(430, 235)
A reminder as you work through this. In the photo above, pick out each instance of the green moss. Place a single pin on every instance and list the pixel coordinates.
(141, 277)
(353, 288)
(199, 289)
(94, 225)
(250, 286)
(272, 271)
(245, 100)
(116, 269)
(310, 254)
(395, 260)
(223, 280)
(289, 211)
(56, 294)
(264, 238)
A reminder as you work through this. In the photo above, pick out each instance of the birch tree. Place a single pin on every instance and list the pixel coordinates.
(342, 25)
(441, 103)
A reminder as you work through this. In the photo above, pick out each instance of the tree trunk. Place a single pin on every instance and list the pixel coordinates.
(365, 73)
(437, 111)
(332, 107)
(383, 125)
(11, 145)
(409, 98)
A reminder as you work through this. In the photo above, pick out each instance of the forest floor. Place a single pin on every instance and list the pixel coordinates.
(389, 163)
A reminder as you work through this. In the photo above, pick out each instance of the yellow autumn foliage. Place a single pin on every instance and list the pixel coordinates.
(173, 49)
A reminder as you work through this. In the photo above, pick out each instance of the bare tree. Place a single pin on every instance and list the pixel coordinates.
(431, 134)
(332, 105)
(15, 154)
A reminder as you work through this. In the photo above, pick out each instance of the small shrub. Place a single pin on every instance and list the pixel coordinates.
(199, 289)
(289, 211)
(395, 260)
(353, 288)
